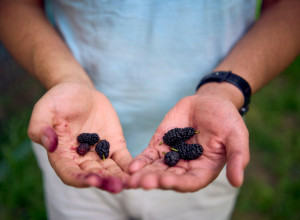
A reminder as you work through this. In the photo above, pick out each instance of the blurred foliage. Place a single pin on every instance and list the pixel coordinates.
(21, 195)
(272, 181)
(21, 192)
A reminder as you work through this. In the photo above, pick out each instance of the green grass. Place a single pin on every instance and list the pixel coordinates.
(21, 193)
(272, 182)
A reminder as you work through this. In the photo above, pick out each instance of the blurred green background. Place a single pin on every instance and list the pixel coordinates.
(272, 180)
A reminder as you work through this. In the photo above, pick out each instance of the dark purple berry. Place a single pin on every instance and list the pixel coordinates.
(89, 138)
(179, 145)
(187, 133)
(189, 151)
(94, 138)
(82, 149)
(171, 158)
(172, 136)
(177, 135)
(102, 149)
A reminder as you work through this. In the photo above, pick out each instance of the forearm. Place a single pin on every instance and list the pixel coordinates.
(33, 42)
(265, 51)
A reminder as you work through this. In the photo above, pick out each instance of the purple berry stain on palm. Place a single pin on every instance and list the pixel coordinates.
(112, 184)
(50, 139)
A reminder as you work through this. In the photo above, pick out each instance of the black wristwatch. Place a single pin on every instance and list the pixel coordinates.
(228, 76)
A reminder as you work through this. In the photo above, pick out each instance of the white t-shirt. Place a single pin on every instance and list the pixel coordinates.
(145, 55)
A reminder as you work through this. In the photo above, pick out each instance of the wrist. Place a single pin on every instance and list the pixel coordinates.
(235, 80)
(222, 90)
(81, 80)
(74, 76)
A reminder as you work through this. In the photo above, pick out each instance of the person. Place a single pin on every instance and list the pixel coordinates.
(128, 70)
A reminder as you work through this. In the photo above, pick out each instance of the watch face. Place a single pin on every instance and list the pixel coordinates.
(244, 110)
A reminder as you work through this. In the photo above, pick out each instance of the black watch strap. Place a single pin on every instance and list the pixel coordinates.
(228, 76)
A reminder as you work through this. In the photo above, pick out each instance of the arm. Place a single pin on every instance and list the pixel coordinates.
(266, 50)
(263, 53)
(70, 107)
(269, 47)
(33, 42)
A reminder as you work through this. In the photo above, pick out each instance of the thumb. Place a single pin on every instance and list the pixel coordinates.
(123, 158)
(238, 156)
(40, 129)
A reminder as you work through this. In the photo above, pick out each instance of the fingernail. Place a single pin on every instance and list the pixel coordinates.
(49, 139)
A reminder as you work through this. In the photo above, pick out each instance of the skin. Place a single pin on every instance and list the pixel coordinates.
(204, 115)
(90, 112)
(269, 46)
(70, 106)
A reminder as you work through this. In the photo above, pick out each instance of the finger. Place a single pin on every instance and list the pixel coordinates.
(71, 174)
(152, 174)
(148, 156)
(238, 156)
(105, 169)
(188, 182)
(109, 183)
(112, 169)
(92, 166)
(140, 178)
(181, 183)
(123, 158)
(40, 129)
(116, 178)
(150, 181)
(148, 177)
(177, 170)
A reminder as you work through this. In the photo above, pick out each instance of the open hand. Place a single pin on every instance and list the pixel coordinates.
(64, 112)
(224, 138)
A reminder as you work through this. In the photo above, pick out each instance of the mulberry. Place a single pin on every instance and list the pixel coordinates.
(172, 137)
(82, 149)
(102, 149)
(189, 151)
(171, 158)
(176, 138)
(89, 138)
(177, 135)
(187, 133)
(179, 145)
